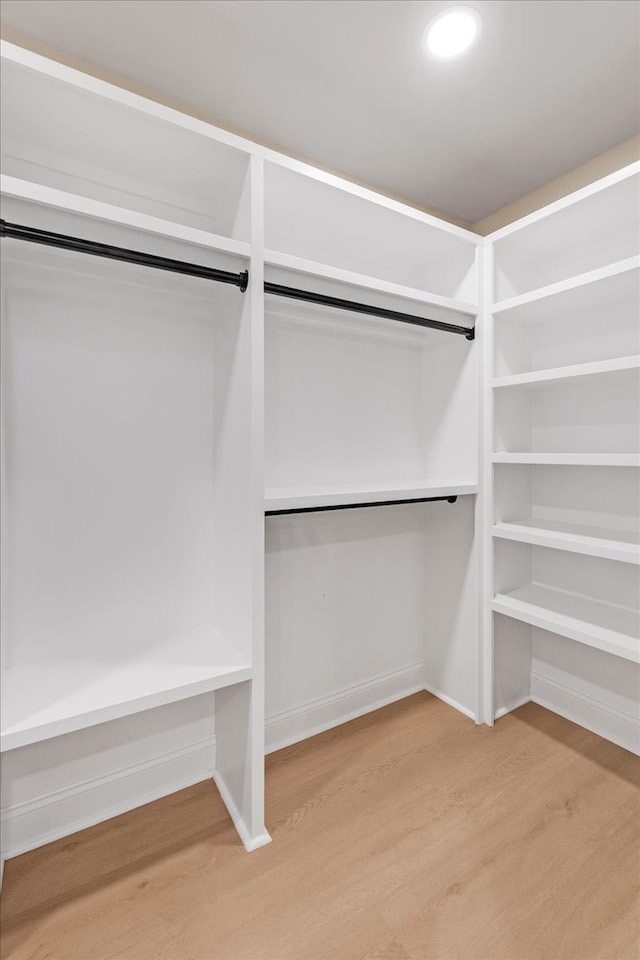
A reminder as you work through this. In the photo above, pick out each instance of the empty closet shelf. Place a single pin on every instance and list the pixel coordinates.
(336, 495)
(570, 459)
(601, 625)
(575, 294)
(46, 700)
(570, 372)
(575, 538)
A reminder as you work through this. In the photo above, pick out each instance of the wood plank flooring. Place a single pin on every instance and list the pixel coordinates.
(409, 833)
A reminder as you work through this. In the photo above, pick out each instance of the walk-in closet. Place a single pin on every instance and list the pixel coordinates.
(302, 475)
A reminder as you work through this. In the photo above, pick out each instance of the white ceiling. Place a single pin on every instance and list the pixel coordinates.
(344, 83)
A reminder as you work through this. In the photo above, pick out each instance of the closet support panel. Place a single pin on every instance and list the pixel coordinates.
(450, 591)
(239, 772)
(484, 509)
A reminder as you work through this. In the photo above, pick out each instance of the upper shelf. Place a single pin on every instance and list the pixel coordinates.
(46, 699)
(328, 295)
(333, 280)
(308, 218)
(61, 134)
(72, 203)
(541, 250)
(592, 320)
(573, 294)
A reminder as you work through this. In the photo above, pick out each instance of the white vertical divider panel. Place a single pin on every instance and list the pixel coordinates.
(506, 659)
(4, 533)
(4, 538)
(239, 771)
(484, 338)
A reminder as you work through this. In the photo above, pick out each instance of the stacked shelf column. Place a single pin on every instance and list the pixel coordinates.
(562, 443)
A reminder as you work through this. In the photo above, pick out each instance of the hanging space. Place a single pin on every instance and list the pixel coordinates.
(370, 455)
(128, 522)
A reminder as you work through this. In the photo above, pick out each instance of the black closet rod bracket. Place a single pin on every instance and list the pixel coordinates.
(17, 231)
(356, 506)
(293, 293)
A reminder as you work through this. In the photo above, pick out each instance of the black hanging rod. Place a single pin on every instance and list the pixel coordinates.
(357, 506)
(18, 232)
(296, 294)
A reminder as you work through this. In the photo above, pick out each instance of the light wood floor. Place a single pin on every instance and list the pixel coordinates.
(409, 833)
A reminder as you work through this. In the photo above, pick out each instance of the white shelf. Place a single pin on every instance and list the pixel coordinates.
(600, 625)
(289, 498)
(557, 206)
(98, 210)
(573, 239)
(45, 700)
(571, 459)
(591, 277)
(596, 368)
(593, 541)
(312, 268)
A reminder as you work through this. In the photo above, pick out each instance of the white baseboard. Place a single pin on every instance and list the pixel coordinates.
(510, 707)
(621, 728)
(50, 816)
(450, 702)
(316, 716)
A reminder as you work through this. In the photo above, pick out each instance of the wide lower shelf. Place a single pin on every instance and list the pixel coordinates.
(576, 538)
(47, 699)
(601, 625)
(301, 498)
(570, 459)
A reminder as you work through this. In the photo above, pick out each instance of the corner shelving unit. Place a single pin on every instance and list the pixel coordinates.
(152, 418)
(562, 448)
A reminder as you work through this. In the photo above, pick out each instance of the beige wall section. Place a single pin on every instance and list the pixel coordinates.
(599, 166)
(608, 162)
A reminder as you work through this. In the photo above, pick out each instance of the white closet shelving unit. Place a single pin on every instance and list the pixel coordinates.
(151, 419)
(366, 605)
(132, 506)
(562, 428)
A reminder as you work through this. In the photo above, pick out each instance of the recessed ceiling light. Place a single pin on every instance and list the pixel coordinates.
(452, 32)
